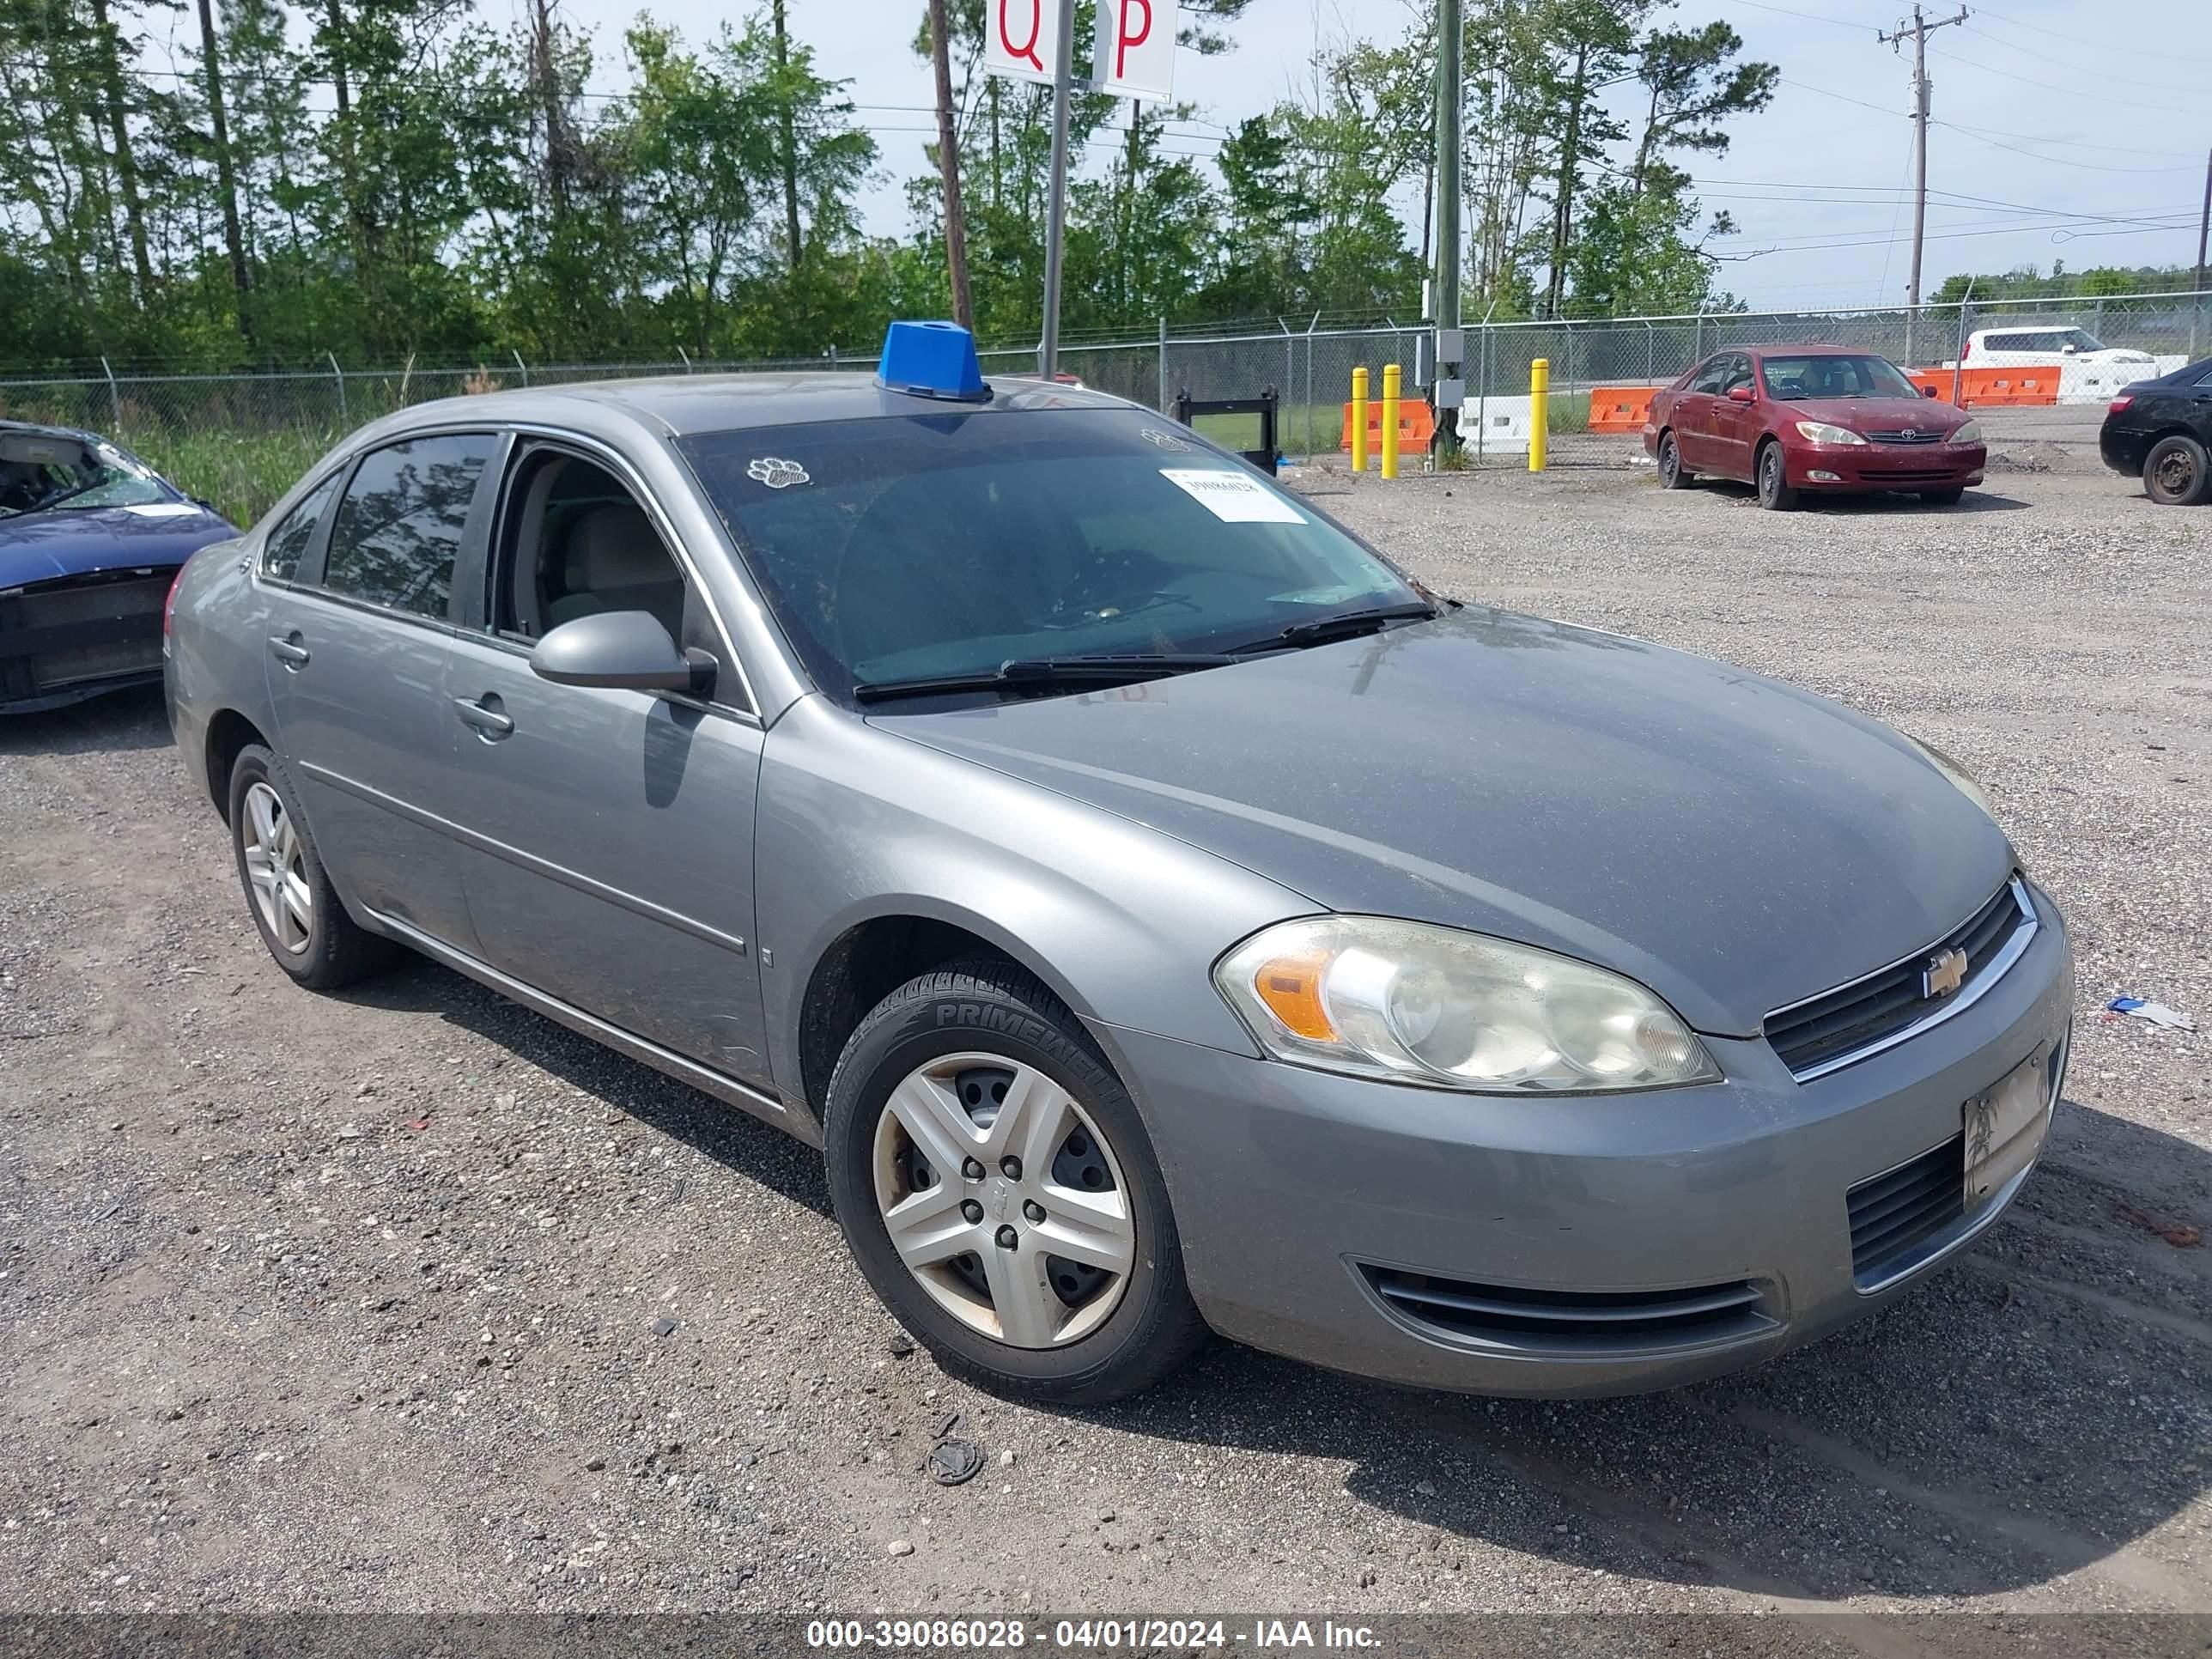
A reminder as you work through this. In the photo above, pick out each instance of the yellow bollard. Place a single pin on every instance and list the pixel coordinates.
(1540, 410)
(1359, 420)
(1392, 375)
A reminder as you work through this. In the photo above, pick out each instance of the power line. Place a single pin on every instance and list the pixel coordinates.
(2056, 34)
(2055, 161)
(2130, 81)
(2050, 85)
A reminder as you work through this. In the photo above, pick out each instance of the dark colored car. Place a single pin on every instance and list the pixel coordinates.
(1811, 417)
(91, 538)
(2160, 431)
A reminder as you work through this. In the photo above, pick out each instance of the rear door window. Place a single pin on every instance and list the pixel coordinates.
(287, 544)
(398, 529)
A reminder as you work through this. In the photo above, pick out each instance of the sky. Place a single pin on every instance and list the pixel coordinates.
(2062, 135)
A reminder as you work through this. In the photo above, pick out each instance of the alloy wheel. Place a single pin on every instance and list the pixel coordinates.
(1003, 1201)
(275, 869)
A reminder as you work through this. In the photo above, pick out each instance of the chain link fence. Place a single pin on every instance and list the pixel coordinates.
(241, 439)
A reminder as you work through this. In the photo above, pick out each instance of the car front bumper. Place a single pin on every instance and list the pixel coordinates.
(1887, 466)
(61, 641)
(1316, 1212)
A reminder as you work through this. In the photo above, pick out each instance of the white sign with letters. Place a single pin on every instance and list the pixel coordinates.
(1136, 48)
(1021, 38)
(1232, 497)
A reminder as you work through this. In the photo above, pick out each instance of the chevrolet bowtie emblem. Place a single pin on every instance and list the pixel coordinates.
(1944, 973)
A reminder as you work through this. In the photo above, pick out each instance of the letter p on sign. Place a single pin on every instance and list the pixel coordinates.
(1136, 48)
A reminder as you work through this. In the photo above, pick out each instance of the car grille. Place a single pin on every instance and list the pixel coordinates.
(1902, 436)
(81, 629)
(1839, 1026)
(1895, 1217)
(1570, 1322)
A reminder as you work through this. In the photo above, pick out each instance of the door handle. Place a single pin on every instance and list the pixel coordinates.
(288, 652)
(490, 724)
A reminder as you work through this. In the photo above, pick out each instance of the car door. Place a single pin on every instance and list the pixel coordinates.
(1694, 437)
(609, 831)
(357, 641)
(1735, 426)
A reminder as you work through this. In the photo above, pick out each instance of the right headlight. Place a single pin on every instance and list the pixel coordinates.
(1415, 1003)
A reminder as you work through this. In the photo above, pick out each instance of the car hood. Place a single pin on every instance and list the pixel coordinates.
(1878, 414)
(37, 547)
(1731, 841)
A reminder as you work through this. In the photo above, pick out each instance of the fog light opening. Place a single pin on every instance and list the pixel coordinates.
(1817, 476)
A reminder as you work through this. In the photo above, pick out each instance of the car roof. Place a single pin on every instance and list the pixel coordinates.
(1811, 349)
(679, 404)
(38, 428)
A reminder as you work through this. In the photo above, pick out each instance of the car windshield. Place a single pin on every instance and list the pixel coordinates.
(58, 472)
(944, 545)
(1825, 375)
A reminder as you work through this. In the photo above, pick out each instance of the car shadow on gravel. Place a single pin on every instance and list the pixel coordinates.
(726, 1134)
(2030, 1413)
(120, 722)
(1975, 501)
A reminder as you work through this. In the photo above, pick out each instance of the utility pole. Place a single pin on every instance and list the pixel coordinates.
(1918, 33)
(1055, 229)
(948, 170)
(1446, 438)
(2203, 224)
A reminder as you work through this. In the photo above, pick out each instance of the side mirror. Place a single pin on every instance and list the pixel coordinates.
(1928, 391)
(626, 650)
(1741, 394)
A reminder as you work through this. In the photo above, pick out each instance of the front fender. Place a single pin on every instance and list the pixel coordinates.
(856, 823)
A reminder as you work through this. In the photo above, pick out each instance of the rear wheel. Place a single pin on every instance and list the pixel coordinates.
(1775, 494)
(1943, 498)
(1673, 475)
(997, 1188)
(2177, 473)
(296, 911)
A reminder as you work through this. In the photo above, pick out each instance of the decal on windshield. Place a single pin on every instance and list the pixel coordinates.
(1160, 440)
(776, 472)
(1230, 497)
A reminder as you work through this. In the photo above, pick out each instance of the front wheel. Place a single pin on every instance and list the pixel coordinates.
(998, 1189)
(2176, 473)
(1672, 473)
(1775, 494)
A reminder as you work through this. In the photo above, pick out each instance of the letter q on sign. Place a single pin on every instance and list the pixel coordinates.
(1022, 42)
(1135, 48)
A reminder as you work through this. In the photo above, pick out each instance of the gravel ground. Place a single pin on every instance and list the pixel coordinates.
(408, 1299)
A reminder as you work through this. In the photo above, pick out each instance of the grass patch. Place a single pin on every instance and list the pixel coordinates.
(243, 474)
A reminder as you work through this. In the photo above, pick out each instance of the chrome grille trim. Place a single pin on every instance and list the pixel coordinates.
(1968, 995)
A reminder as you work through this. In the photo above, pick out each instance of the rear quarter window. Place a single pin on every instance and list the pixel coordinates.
(287, 544)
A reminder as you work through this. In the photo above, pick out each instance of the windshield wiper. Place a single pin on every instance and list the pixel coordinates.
(53, 502)
(1106, 669)
(1349, 625)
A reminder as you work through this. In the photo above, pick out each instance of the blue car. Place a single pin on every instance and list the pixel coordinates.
(91, 538)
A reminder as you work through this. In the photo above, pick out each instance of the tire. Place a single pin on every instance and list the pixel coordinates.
(953, 1047)
(1673, 475)
(268, 832)
(2177, 473)
(1775, 494)
(1943, 498)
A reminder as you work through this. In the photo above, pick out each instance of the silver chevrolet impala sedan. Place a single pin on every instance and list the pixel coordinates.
(1165, 915)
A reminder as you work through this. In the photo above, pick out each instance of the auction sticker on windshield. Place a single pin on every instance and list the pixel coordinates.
(1230, 497)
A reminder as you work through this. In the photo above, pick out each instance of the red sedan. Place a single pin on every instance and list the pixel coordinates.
(1811, 417)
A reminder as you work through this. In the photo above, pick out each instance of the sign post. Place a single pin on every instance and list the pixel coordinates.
(1056, 227)
(1035, 40)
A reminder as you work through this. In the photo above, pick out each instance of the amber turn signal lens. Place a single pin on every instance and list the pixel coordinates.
(1290, 987)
